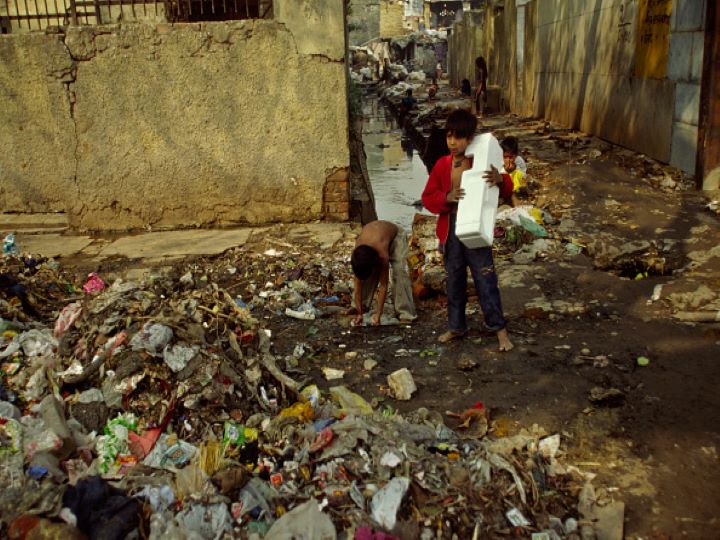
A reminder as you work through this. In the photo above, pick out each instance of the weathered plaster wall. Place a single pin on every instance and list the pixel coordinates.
(370, 19)
(37, 135)
(363, 20)
(487, 32)
(391, 18)
(317, 27)
(501, 54)
(464, 42)
(526, 99)
(685, 63)
(579, 68)
(584, 63)
(583, 58)
(175, 125)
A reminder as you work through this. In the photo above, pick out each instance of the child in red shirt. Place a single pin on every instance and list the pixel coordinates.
(441, 195)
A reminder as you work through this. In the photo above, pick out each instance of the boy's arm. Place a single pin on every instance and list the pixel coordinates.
(382, 291)
(500, 179)
(434, 196)
(358, 302)
(520, 164)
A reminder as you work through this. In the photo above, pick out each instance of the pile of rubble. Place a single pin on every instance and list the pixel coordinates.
(157, 409)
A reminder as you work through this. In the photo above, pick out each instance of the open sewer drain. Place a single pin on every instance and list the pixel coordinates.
(646, 266)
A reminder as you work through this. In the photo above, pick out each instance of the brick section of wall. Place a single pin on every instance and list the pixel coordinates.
(336, 196)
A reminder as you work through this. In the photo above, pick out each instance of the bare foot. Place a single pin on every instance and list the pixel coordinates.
(450, 336)
(504, 340)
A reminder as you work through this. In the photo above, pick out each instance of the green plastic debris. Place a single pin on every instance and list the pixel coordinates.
(350, 402)
(237, 435)
(643, 361)
(531, 226)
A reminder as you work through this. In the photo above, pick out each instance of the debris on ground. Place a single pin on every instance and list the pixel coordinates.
(158, 406)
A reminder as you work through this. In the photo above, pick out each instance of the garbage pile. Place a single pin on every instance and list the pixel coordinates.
(158, 410)
(522, 234)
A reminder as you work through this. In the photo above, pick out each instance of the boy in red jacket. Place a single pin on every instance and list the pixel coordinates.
(441, 195)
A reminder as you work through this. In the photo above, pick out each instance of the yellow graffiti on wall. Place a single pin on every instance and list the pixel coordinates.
(653, 38)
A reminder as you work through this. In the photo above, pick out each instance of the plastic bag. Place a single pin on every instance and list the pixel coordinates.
(386, 502)
(37, 342)
(67, 318)
(302, 411)
(350, 402)
(179, 356)
(115, 440)
(9, 245)
(152, 338)
(305, 521)
(527, 217)
(237, 435)
(94, 284)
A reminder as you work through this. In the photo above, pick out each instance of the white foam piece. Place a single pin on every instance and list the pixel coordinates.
(475, 224)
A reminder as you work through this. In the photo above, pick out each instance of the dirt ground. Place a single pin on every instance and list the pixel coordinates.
(654, 445)
(657, 446)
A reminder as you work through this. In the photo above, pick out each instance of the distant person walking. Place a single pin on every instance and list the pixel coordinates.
(386, 71)
(433, 89)
(481, 75)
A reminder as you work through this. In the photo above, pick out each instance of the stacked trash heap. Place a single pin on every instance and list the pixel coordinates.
(157, 410)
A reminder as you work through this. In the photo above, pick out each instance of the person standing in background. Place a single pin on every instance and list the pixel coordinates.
(481, 74)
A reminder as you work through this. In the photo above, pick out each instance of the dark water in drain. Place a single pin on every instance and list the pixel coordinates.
(397, 173)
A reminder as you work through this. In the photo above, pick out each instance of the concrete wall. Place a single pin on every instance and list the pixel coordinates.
(465, 40)
(177, 125)
(370, 19)
(584, 63)
(526, 73)
(578, 63)
(392, 13)
(363, 20)
(489, 33)
(685, 64)
(586, 72)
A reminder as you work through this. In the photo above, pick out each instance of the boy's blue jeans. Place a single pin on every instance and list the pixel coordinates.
(480, 260)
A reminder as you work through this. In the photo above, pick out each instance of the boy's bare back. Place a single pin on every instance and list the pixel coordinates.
(378, 235)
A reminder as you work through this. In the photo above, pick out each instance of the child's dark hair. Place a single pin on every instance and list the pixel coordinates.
(409, 92)
(461, 123)
(510, 144)
(364, 260)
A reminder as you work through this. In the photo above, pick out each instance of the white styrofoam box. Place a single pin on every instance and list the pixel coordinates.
(475, 223)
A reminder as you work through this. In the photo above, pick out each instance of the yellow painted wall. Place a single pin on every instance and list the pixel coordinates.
(176, 125)
(391, 19)
(653, 38)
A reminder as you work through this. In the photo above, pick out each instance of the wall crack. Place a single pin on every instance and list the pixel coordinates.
(67, 79)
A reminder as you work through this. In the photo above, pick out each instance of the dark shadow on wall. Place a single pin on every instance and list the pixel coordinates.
(590, 55)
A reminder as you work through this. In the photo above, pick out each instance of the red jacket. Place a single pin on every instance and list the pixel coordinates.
(437, 188)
